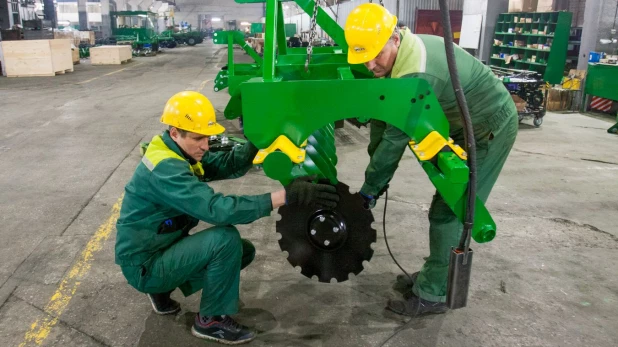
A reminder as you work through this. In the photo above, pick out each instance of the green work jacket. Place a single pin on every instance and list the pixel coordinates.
(168, 195)
(423, 56)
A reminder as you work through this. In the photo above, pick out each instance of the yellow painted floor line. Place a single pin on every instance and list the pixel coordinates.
(111, 73)
(202, 85)
(41, 327)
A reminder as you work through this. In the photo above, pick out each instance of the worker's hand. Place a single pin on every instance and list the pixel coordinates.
(369, 201)
(306, 193)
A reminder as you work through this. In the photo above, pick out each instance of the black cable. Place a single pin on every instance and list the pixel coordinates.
(469, 142)
(386, 239)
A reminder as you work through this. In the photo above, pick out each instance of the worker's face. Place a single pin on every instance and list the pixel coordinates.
(193, 144)
(382, 65)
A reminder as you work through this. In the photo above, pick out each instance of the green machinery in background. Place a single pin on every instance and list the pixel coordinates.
(290, 99)
(166, 39)
(137, 28)
(602, 81)
(290, 28)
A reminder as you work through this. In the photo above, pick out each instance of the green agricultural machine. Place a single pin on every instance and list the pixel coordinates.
(138, 29)
(167, 40)
(189, 37)
(289, 100)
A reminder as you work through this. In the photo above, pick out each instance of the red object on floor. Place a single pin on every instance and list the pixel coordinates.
(601, 104)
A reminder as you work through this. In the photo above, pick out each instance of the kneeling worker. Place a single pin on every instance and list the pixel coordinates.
(168, 195)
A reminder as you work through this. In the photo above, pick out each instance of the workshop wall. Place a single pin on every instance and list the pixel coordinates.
(406, 12)
(189, 10)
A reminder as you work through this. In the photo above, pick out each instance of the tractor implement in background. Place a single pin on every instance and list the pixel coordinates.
(136, 28)
(289, 101)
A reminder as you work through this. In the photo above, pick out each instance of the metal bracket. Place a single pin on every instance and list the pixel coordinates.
(283, 144)
(432, 144)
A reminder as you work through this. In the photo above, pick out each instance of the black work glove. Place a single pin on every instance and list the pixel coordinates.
(302, 192)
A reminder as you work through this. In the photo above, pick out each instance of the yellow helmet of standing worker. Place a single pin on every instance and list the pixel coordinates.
(191, 111)
(367, 30)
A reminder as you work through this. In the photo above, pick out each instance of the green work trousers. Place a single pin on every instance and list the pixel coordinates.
(494, 140)
(209, 260)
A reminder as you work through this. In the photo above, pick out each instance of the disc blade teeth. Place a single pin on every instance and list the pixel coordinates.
(326, 265)
(374, 236)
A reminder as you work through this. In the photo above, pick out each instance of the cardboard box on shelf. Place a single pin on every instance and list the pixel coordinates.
(558, 99)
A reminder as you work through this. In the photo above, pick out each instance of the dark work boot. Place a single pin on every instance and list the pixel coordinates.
(162, 303)
(414, 306)
(404, 283)
(222, 329)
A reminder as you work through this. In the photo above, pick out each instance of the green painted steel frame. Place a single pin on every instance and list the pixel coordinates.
(297, 109)
(283, 99)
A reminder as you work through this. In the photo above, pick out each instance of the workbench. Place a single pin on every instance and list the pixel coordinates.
(602, 81)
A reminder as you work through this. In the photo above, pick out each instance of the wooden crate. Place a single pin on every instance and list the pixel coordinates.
(75, 55)
(110, 55)
(86, 36)
(76, 36)
(37, 57)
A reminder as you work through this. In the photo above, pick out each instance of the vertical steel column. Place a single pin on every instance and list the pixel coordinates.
(82, 13)
(270, 37)
(281, 43)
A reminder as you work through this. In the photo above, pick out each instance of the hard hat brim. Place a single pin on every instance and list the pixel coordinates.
(216, 129)
(212, 130)
(360, 58)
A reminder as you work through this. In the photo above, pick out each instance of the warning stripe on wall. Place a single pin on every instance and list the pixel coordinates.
(601, 104)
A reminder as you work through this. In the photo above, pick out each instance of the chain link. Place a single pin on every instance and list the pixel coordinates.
(312, 34)
(381, 2)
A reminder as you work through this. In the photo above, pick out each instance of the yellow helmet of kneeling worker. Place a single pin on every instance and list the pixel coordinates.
(367, 30)
(191, 111)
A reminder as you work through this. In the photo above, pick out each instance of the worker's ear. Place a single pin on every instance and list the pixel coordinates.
(397, 40)
(174, 133)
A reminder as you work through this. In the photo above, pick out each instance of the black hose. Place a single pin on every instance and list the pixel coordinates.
(469, 142)
(386, 239)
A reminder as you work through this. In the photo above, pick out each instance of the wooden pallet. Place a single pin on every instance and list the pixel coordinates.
(121, 62)
(61, 72)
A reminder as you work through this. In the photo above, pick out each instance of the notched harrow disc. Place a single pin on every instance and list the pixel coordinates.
(328, 243)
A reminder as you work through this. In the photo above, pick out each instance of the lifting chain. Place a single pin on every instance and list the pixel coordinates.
(381, 2)
(312, 34)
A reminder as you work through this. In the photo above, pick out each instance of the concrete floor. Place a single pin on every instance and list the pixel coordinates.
(68, 147)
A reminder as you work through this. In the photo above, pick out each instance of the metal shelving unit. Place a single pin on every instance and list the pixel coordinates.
(535, 41)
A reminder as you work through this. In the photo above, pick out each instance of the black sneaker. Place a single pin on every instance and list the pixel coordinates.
(222, 329)
(414, 306)
(162, 303)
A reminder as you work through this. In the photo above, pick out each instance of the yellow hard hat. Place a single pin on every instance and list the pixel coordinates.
(367, 30)
(191, 111)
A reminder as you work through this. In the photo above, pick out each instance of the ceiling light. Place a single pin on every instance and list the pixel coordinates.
(216, 19)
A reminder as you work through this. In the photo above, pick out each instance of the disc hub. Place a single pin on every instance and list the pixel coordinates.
(327, 230)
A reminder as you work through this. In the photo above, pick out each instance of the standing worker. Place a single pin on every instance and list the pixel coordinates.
(168, 195)
(374, 40)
